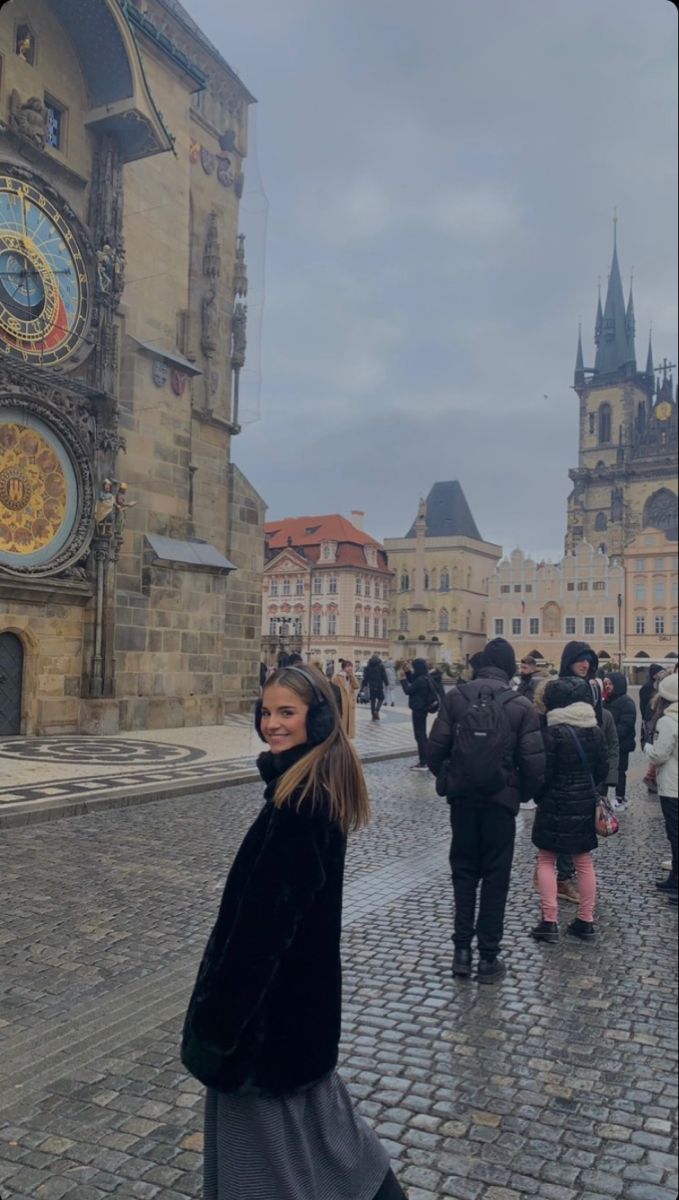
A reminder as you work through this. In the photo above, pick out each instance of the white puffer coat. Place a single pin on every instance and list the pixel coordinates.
(663, 751)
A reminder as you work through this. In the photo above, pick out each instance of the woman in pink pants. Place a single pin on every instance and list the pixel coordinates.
(577, 761)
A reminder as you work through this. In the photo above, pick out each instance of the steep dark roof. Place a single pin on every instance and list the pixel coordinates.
(615, 344)
(448, 514)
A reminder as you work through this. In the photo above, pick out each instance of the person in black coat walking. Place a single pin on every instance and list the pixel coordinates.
(483, 823)
(576, 762)
(263, 1025)
(421, 696)
(624, 712)
(375, 678)
(578, 661)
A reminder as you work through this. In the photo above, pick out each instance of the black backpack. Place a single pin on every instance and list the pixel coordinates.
(482, 741)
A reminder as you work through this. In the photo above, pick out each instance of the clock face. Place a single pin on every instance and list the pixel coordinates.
(663, 411)
(44, 293)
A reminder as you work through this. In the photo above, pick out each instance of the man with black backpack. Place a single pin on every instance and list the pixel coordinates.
(487, 752)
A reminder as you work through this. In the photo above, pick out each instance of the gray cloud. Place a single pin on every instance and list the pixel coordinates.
(441, 183)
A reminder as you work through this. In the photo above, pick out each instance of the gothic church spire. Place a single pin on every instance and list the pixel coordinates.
(615, 349)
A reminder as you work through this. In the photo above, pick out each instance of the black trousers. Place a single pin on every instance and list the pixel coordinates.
(482, 851)
(669, 805)
(376, 700)
(420, 731)
(623, 763)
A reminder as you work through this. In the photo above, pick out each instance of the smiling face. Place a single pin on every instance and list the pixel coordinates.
(283, 718)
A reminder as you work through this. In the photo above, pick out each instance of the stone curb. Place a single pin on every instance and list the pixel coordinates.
(37, 812)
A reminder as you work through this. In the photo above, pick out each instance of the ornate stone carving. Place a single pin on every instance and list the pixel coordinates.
(159, 372)
(103, 512)
(212, 254)
(210, 323)
(28, 119)
(240, 272)
(239, 334)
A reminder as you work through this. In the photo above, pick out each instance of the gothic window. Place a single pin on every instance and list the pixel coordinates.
(405, 582)
(604, 424)
(443, 620)
(592, 422)
(403, 621)
(433, 579)
(25, 44)
(601, 522)
(660, 512)
(445, 581)
(426, 581)
(602, 548)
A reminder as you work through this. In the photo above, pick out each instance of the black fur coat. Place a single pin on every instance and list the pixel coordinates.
(265, 1013)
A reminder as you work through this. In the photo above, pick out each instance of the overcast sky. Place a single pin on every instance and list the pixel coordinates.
(441, 180)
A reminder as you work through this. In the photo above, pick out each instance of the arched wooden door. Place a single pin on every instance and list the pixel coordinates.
(11, 674)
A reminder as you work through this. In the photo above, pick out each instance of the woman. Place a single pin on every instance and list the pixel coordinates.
(375, 679)
(263, 1025)
(624, 712)
(577, 761)
(421, 697)
(347, 686)
(662, 752)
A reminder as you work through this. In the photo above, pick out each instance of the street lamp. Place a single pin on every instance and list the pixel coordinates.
(620, 631)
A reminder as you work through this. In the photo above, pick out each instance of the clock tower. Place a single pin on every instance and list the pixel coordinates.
(626, 477)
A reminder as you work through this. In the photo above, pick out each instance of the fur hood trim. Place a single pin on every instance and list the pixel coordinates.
(581, 715)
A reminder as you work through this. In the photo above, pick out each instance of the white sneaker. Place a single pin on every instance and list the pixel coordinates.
(419, 767)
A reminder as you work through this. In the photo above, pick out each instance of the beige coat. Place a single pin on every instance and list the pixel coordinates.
(348, 688)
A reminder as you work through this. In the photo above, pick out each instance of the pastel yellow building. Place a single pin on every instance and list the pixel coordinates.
(540, 606)
(439, 599)
(652, 615)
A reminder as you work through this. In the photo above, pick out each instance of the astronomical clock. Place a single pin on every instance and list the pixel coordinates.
(47, 431)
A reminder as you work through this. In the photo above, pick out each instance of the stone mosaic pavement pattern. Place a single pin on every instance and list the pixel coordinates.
(560, 1083)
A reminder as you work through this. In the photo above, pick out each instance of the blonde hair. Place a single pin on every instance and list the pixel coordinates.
(331, 772)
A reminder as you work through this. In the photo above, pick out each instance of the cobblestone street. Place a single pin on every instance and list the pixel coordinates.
(559, 1083)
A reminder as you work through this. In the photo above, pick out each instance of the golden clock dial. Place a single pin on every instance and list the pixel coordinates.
(44, 288)
(663, 411)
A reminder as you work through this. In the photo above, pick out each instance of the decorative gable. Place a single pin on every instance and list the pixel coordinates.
(370, 555)
(328, 551)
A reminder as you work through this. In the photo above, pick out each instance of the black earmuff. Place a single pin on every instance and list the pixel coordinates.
(322, 716)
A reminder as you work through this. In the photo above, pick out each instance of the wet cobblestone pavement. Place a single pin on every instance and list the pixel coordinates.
(559, 1083)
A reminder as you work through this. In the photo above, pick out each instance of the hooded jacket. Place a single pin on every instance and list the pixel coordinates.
(418, 687)
(525, 768)
(265, 1011)
(663, 751)
(624, 712)
(375, 676)
(564, 822)
(648, 690)
(575, 652)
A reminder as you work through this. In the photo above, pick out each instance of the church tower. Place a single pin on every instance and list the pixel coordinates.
(626, 477)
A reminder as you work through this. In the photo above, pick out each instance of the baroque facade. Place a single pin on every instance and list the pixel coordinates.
(441, 567)
(131, 547)
(540, 606)
(326, 590)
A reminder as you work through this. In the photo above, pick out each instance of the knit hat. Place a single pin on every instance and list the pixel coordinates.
(499, 654)
(669, 688)
(559, 693)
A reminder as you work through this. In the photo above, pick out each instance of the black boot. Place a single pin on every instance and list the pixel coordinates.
(582, 929)
(667, 885)
(546, 931)
(391, 1189)
(462, 961)
(491, 970)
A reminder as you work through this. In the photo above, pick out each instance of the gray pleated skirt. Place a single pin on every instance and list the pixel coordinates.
(308, 1146)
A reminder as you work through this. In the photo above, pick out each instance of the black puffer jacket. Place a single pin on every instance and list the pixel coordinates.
(266, 1007)
(564, 822)
(527, 766)
(624, 712)
(418, 687)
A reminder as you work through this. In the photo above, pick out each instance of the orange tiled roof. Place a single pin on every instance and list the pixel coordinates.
(311, 531)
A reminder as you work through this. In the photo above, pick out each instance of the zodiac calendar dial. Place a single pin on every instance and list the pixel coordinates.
(44, 289)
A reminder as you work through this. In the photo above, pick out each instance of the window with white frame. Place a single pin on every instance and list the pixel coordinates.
(367, 588)
(499, 626)
(599, 585)
(299, 585)
(318, 585)
(445, 581)
(316, 624)
(332, 585)
(659, 590)
(659, 623)
(590, 626)
(640, 624)
(675, 625)
(609, 626)
(332, 624)
(640, 591)
(286, 587)
(272, 626)
(516, 626)
(366, 627)
(444, 623)
(376, 627)
(274, 587)
(359, 586)
(534, 625)
(403, 621)
(384, 629)
(357, 626)
(571, 626)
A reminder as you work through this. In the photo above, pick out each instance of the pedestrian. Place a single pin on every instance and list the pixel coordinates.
(375, 679)
(421, 697)
(624, 713)
(578, 660)
(487, 747)
(529, 676)
(662, 752)
(576, 763)
(436, 677)
(263, 1025)
(346, 684)
(647, 691)
(390, 672)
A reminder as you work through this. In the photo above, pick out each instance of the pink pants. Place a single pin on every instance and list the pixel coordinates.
(584, 866)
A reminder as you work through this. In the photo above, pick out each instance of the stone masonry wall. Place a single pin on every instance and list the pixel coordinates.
(242, 649)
